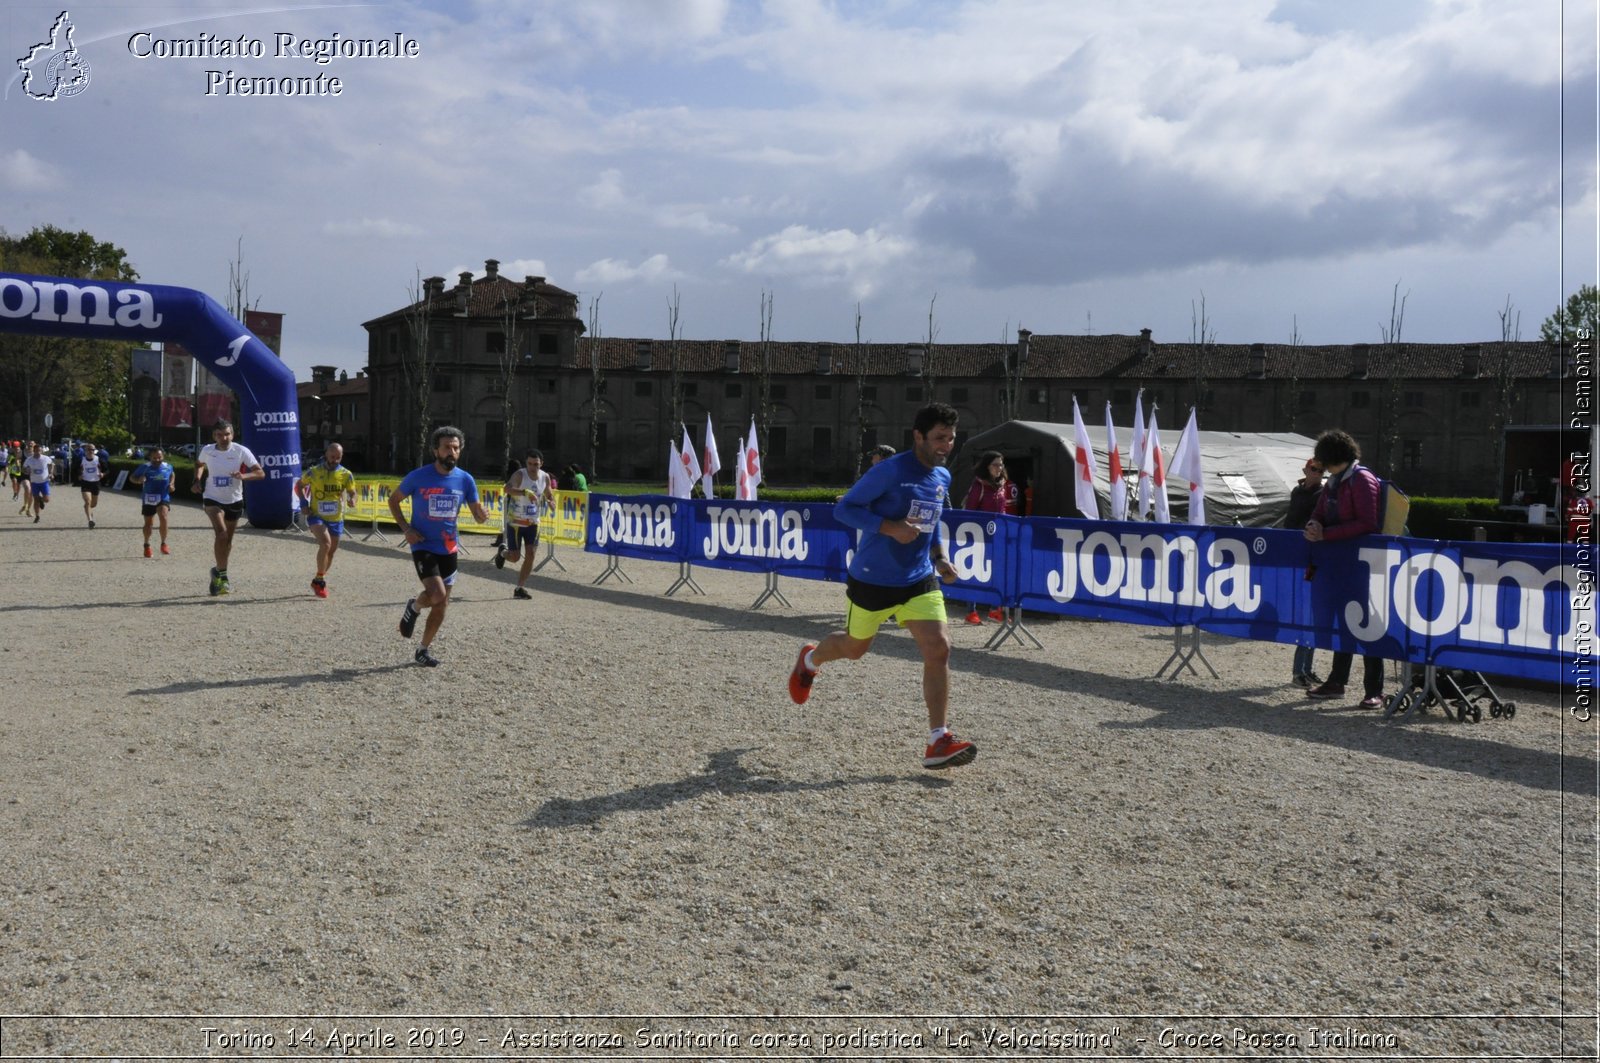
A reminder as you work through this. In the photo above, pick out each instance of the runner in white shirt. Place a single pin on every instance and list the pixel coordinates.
(222, 467)
(37, 468)
(90, 473)
(526, 490)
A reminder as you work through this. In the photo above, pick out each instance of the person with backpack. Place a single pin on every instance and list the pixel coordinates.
(1349, 506)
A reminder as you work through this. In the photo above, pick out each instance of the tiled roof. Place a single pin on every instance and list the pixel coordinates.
(356, 385)
(487, 297)
(1073, 357)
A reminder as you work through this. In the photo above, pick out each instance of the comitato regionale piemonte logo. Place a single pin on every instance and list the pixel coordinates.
(55, 69)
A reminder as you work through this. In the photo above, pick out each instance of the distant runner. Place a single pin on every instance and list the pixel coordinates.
(38, 468)
(329, 487)
(92, 470)
(526, 491)
(154, 480)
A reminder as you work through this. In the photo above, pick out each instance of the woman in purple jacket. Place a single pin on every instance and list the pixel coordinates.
(1347, 508)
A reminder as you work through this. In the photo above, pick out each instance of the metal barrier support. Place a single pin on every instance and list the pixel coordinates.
(1185, 650)
(771, 591)
(685, 579)
(1012, 628)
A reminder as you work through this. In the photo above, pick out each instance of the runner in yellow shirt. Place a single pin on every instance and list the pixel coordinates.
(328, 487)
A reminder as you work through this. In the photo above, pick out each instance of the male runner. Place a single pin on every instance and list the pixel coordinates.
(329, 487)
(526, 490)
(224, 466)
(90, 472)
(438, 491)
(154, 479)
(37, 468)
(19, 481)
(896, 505)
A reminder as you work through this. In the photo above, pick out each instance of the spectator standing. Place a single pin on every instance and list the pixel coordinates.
(991, 492)
(1302, 502)
(1346, 508)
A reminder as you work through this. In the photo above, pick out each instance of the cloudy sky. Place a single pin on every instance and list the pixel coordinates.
(1068, 166)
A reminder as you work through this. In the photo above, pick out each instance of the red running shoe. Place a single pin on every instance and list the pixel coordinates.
(146, 549)
(998, 615)
(949, 752)
(319, 587)
(974, 618)
(801, 678)
(164, 549)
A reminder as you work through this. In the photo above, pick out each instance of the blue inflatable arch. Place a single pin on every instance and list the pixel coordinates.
(138, 313)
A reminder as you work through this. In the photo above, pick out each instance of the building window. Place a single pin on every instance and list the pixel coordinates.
(548, 344)
(779, 392)
(394, 343)
(733, 391)
(1360, 400)
(600, 435)
(546, 436)
(545, 385)
(644, 388)
(914, 393)
(823, 391)
(869, 393)
(1039, 396)
(777, 441)
(443, 382)
(690, 389)
(822, 445)
(958, 394)
(1308, 401)
(1413, 400)
(1471, 400)
(1411, 454)
(495, 343)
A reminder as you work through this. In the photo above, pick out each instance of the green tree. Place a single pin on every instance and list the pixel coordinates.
(1581, 312)
(83, 382)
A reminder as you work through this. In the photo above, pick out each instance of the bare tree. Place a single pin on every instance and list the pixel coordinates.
(764, 365)
(1015, 357)
(861, 402)
(1294, 372)
(930, 373)
(1505, 379)
(418, 362)
(238, 283)
(677, 377)
(1203, 338)
(596, 384)
(1391, 339)
(512, 310)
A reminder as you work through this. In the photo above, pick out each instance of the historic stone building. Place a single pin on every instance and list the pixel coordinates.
(1430, 415)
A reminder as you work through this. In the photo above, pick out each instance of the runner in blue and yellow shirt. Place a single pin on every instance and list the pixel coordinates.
(896, 572)
(328, 487)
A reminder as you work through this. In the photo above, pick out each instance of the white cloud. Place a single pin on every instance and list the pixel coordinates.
(22, 172)
(379, 228)
(859, 259)
(614, 271)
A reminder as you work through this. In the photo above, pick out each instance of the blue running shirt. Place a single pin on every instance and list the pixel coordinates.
(156, 490)
(436, 501)
(897, 488)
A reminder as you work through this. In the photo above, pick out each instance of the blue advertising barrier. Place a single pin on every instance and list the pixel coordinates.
(1509, 609)
(138, 313)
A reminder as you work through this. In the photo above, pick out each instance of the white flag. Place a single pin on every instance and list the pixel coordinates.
(750, 465)
(710, 463)
(1154, 466)
(1119, 486)
(1083, 466)
(1141, 507)
(691, 464)
(1186, 467)
(675, 473)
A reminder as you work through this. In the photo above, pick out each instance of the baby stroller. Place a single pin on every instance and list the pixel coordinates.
(1460, 693)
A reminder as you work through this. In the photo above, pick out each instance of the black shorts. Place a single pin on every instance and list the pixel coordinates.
(875, 598)
(430, 564)
(231, 511)
(90, 487)
(151, 511)
(519, 535)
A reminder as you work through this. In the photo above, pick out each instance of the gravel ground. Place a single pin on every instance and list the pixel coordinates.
(603, 804)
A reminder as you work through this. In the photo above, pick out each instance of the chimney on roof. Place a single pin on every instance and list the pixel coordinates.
(1146, 344)
(914, 352)
(322, 376)
(433, 286)
(491, 269)
(1360, 359)
(824, 358)
(1258, 360)
(642, 354)
(730, 356)
(463, 294)
(1023, 336)
(464, 278)
(1471, 359)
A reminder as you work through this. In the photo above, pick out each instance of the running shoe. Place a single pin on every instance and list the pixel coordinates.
(974, 618)
(499, 558)
(36, 519)
(319, 587)
(408, 619)
(522, 593)
(91, 523)
(147, 550)
(949, 752)
(801, 678)
(424, 658)
(223, 586)
(216, 583)
(164, 549)
(998, 615)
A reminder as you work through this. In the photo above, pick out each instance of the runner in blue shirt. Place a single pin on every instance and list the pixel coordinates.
(154, 480)
(896, 572)
(437, 493)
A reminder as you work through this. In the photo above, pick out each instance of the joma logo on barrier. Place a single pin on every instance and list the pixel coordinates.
(634, 524)
(967, 548)
(276, 417)
(72, 304)
(1470, 589)
(1226, 585)
(755, 533)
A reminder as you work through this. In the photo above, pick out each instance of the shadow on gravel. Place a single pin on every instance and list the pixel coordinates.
(336, 675)
(724, 775)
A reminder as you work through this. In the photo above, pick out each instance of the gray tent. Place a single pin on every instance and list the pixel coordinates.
(1247, 474)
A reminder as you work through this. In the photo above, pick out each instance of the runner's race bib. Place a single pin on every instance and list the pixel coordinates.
(154, 500)
(444, 506)
(328, 509)
(221, 481)
(923, 516)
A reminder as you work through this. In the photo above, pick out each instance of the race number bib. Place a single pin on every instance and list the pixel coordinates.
(923, 516)
(328, 509)
(444, 506)
(221, 481)
(154, 499)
